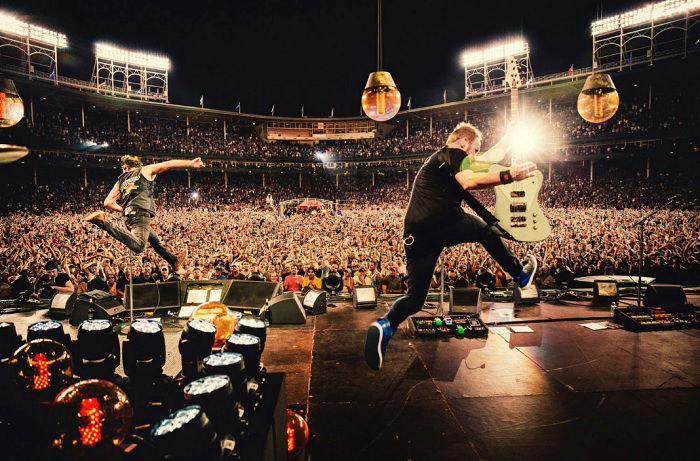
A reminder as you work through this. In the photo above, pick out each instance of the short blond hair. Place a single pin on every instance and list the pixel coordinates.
(131, 161)
(464, 130)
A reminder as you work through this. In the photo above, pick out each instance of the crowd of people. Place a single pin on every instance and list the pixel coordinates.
(234, 232)
(639, 117)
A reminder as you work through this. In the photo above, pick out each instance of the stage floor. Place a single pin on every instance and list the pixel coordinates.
(562, 392)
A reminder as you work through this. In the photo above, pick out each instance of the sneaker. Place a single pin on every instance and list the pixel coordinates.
(527, 275)
(378, 335)
(181, 257)
(96, 217)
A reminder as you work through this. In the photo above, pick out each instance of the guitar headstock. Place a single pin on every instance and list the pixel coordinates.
(512, 73)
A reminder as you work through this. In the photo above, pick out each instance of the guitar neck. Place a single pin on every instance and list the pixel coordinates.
(514, 108)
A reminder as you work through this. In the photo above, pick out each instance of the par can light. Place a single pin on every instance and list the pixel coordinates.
(249, 347)
(186, 434)
(48, 329)
(253, 326)
(215, 395)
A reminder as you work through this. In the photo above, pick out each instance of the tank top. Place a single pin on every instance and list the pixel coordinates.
(136, 193)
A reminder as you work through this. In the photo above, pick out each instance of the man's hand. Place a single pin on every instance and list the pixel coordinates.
(197, 163)
(521, 171)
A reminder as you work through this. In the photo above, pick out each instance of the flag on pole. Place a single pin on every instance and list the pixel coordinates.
(409, 103)
(571, 70)
(238, 107)
(444, 96)
(332, 111)
(201, 102)
(302, 111)
(273, 110)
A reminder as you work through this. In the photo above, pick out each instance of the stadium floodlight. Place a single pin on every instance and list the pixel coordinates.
(134, 58)
(495, 52)
(647, 14)
(13, 26)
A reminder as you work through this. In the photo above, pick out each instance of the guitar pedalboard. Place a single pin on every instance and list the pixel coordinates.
(457, 325)
(657, 318)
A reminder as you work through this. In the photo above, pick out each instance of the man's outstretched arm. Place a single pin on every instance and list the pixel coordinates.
(471, 180)
(149, 171)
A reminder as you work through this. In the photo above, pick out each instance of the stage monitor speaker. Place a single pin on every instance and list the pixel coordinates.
(149, 296)
(315, 302)
(62, 305)
(661, 295)
(96, 304)
(605, 291)
(523, 296)
(465, 300)
(364, 298)
(250, 294)
(286, 309)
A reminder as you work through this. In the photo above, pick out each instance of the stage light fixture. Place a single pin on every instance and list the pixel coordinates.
(220, 316)
(195, 343)
(187, 434)
(527, 137)
(96, 351)
(297, 434)
(9, 339)
(249, 347)
(42, 367)
(144, 350)
(11, 105)
(599, 99)
(214, 394)
(48, 329)
(253, 326)
(232, 365)
(90, 418)
(381, 100)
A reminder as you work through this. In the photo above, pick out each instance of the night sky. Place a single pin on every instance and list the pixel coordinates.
(315, 53)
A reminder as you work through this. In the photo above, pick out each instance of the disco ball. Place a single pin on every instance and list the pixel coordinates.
(221, 317)
(381, 100)
(11, 105)
(599, 99)
(42, 367)
(90, 417)
(297, 434)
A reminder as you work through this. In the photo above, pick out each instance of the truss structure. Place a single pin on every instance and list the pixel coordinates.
(130, 74)
(30, 47)
(485, 69)
(639, 36)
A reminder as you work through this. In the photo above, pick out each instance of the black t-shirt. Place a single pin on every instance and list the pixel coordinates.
(97, 283)
(44, 284)
(436, 196)
(136, 192)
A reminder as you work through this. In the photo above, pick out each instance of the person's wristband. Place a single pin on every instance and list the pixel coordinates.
(506, 177)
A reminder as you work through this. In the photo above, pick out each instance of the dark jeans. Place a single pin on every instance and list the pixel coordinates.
(423, 251)
(138, 233)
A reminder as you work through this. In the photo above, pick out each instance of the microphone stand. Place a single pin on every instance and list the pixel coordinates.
(671, 201)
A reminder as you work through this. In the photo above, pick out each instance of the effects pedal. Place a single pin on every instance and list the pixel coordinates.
(457, 325)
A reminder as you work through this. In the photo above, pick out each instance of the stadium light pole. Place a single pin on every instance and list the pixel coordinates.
(485, 67)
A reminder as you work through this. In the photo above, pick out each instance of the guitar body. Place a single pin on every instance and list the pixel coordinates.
(517, 209)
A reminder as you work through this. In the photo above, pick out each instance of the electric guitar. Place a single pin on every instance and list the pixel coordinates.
(517, 211)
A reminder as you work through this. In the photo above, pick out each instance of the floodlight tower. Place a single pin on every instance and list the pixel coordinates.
(132, 74)
(641, 35)
(485, 68)
(31, 41)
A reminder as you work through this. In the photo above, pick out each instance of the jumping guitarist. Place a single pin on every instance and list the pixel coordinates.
(434, 220)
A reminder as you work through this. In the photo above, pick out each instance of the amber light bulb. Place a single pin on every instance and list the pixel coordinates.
(599, 99)
(381, 100)
(221, 317)
(90, 418)
(297, 434)
(11, 105)
(42, 367)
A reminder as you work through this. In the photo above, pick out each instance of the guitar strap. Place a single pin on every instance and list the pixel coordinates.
(485, 214)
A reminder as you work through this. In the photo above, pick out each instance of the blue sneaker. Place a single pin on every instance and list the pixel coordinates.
(378, 335)
(527, 275)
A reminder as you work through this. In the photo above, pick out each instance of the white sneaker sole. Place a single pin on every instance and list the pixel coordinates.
(373, 351)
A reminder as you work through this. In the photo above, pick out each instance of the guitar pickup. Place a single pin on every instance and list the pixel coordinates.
(518, 219)
(518, 208)
(517, 193)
